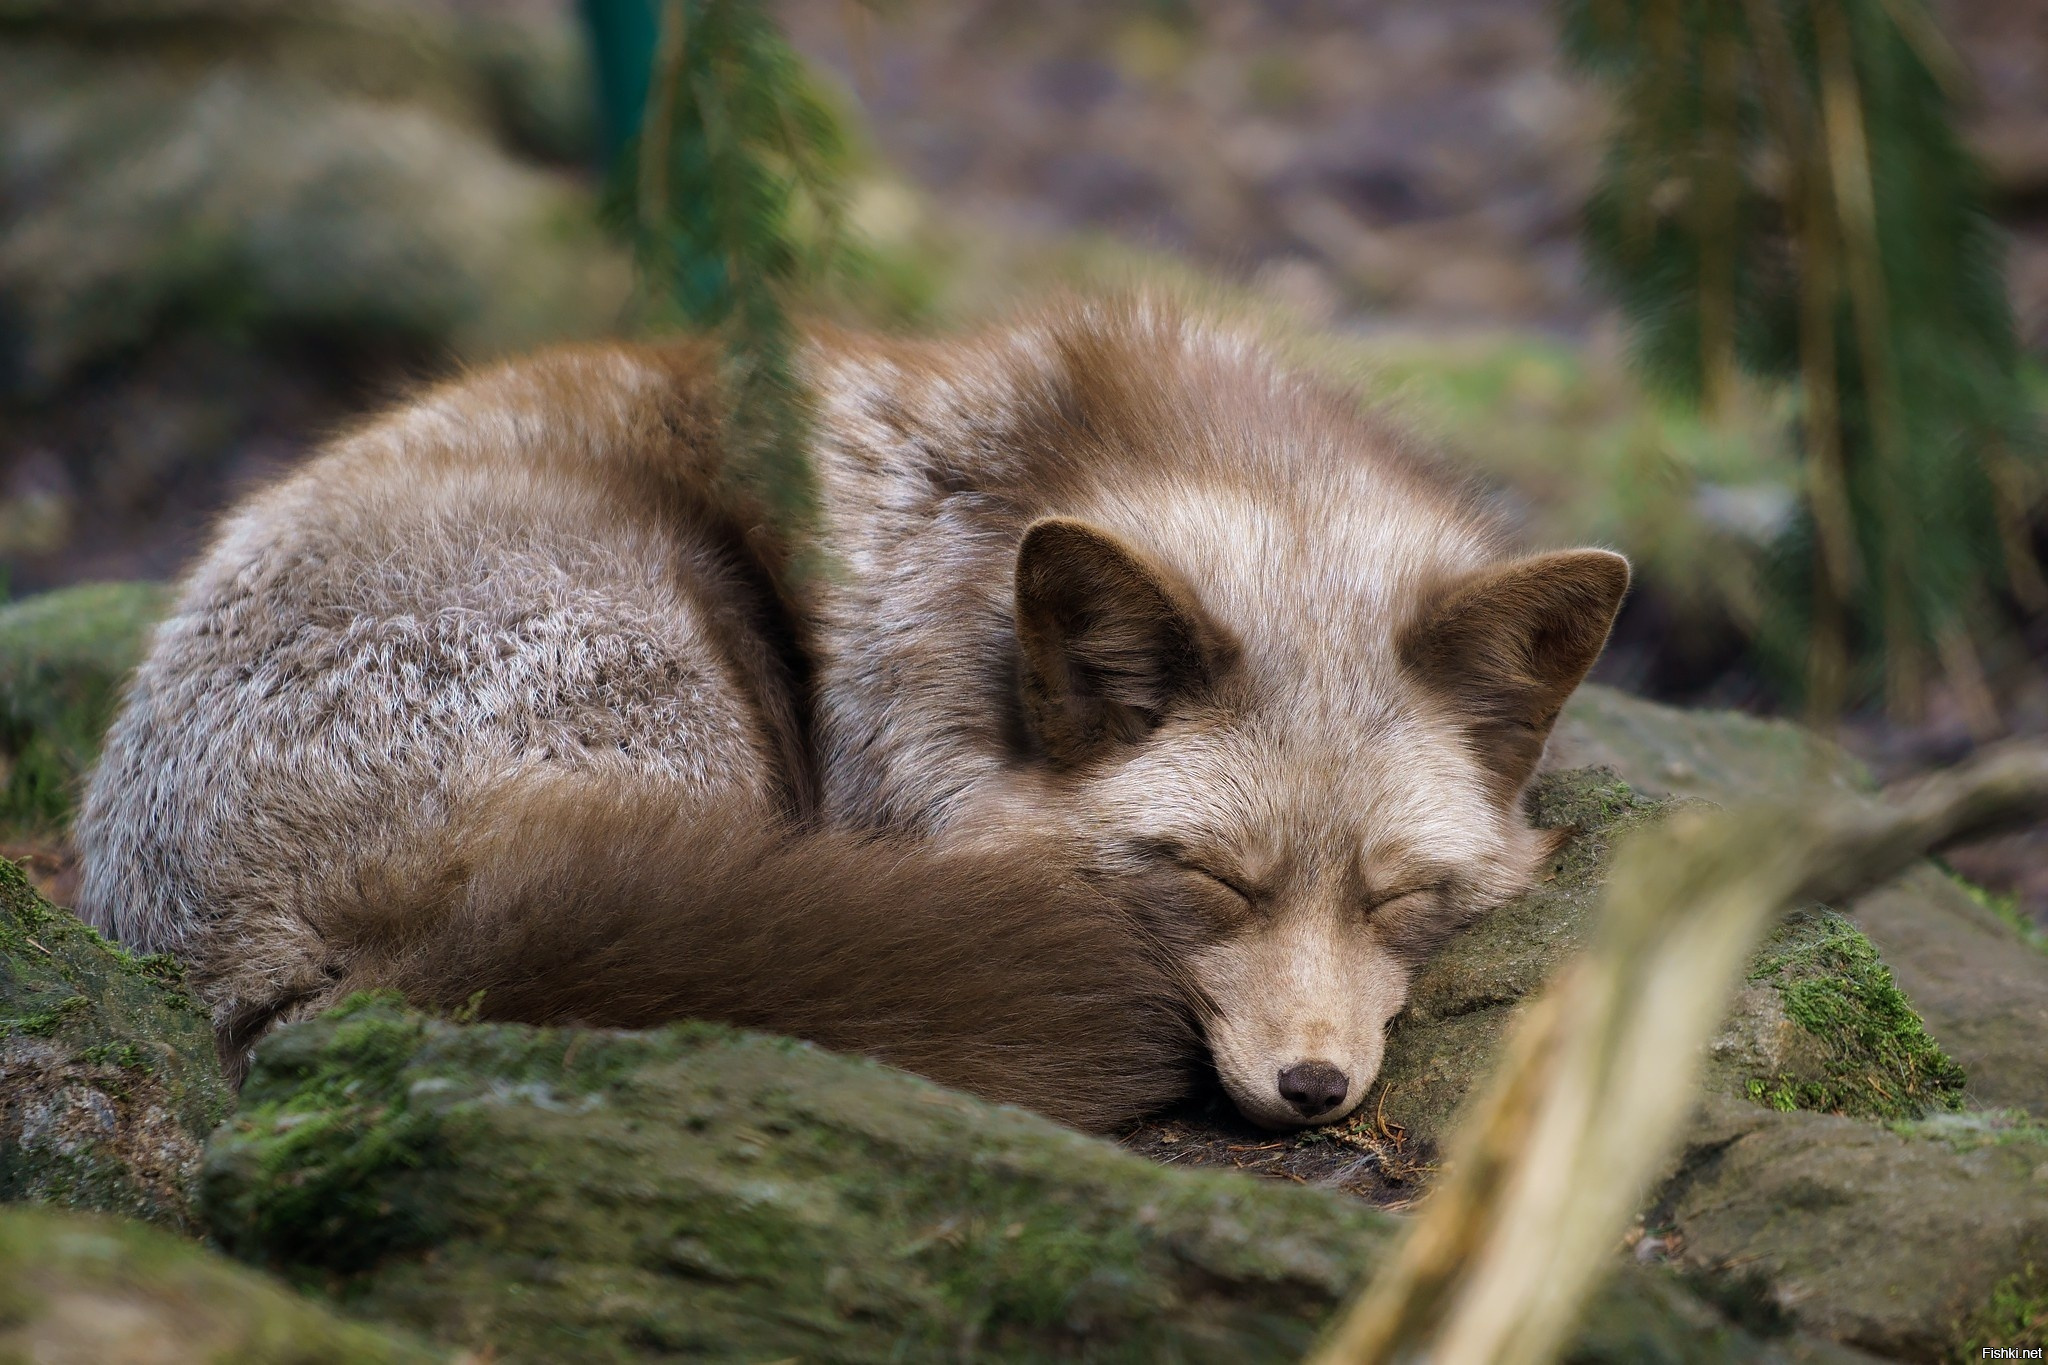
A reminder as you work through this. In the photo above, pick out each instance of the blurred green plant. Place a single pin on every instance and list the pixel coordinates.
(1785, 196)
(732, 182)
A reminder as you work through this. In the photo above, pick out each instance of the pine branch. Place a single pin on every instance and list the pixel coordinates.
(736, 206)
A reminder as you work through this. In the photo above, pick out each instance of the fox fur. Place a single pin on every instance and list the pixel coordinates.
(1142, 697)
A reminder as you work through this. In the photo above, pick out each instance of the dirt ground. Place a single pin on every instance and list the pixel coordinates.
(1378, 160)
(1364, 1156)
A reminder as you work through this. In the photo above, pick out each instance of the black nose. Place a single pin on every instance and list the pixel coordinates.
(1313, 1087)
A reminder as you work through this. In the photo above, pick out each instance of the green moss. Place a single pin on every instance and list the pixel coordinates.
(1878, 1058)
(549, 1194)
(325, 1145)
(108, 1077)
(1462, 1001)
(701, 1191)
(1589, 801)
(1974, 1131)
(2015, 1318)
(64, 657)
(47, 1023)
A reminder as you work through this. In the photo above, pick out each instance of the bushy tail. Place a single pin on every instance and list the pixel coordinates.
(568, 902)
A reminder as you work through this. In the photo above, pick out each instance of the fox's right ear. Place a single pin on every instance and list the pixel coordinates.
(1109, 641)
(1508, 646)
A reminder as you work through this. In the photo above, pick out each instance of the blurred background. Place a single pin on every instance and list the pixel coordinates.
(1628, 259)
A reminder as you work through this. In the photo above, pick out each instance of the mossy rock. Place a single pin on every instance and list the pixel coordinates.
(109, 1082)
(64, 657)
(1720, 756)
(547, 1194)
(1918, 1241)
(1979, 983)
(75, 1287)
(336, 170)
(1822, 1026)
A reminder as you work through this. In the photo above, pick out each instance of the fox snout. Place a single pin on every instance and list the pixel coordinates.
(1314, 1088)
(1281, 1085)
(1299, 1023)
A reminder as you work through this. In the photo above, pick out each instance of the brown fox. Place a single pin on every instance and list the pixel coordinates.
(1141, 697)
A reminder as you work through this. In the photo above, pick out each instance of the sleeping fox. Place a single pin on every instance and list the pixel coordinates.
(1129, 701)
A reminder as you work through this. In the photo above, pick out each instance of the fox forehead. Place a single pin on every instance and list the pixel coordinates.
(1315, 575)
(1389, 804)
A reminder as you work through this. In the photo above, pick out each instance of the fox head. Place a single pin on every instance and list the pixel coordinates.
(1312, 772)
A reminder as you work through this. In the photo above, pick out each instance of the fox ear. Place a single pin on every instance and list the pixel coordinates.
(1509, 644)
(1108, 641)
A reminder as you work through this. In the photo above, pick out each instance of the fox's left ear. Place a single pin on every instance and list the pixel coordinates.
(1109, 641)
(1509, 644)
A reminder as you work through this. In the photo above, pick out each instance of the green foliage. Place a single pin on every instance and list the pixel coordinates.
(1785, 195)
(2016, 1317)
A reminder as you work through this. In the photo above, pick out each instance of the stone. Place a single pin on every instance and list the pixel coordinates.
(1979, 983)
(1894, 1239)
(337, 168)
(1820, 1023)
(1718, 756)
(109, 1082)
(75, 1287)
(541, 1194)
(1977, 980)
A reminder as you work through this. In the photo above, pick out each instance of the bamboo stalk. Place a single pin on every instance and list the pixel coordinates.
(1932, 47)
(2010, 504)
(1719, 178)
(1964, 670)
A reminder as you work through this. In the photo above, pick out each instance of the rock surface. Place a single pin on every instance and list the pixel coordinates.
(79, 1290)
(108, 1081)
(331, 164)
(229, 227)
(1820, 1024)
(542, 1193)
(1719, 756)
(1895, 1240)
(1979, 984)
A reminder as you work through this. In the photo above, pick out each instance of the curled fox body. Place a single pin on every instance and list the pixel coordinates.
(1146, 700)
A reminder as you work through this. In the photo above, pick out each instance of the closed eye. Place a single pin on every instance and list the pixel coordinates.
(1226, 883)
(1168, 851)
(1413, 898)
